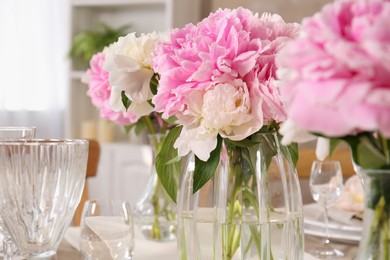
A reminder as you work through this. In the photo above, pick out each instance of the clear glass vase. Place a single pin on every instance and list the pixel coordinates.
(250, 209)
(155, 211)
(375, 242)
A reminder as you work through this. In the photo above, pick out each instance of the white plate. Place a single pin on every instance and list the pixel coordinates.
(314, 225)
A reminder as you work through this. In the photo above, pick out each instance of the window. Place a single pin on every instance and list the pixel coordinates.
(33, 64)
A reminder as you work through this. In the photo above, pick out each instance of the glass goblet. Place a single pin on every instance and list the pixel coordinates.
(8, 133)
(326, 183)
(41, 182)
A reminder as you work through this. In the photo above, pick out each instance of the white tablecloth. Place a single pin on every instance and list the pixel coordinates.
(144, 249)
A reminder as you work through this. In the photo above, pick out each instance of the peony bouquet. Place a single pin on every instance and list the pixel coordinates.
(336, 84)
(121, 81)
(99, 90)
(217, 79)
(121, 85)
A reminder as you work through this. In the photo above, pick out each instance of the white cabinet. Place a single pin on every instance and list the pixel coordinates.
(144, 16)
(123, 172)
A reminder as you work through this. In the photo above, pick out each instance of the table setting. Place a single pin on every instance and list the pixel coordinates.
(224, 102)
(144, 249)
(339, 231)
(345, 215)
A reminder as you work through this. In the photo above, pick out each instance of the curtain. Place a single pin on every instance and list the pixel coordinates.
(34, 64)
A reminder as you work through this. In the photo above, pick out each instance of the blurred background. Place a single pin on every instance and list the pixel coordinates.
(46, 45)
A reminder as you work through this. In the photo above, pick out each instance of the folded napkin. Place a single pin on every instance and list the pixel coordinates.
(116, 234)
(144, 249)
(72, 236)
(352, 218)
(338, 219)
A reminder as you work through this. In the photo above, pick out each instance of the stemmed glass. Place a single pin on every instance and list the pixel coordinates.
(326, 183)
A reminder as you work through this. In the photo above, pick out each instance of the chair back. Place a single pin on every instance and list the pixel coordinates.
(92, 166)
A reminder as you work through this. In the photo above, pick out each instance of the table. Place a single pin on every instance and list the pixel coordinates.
(68, 252)
(349, 250)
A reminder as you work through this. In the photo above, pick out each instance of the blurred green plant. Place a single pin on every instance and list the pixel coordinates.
(85, 44)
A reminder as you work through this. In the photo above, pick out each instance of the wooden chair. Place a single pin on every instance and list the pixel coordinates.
(307, 156)
(92, 165)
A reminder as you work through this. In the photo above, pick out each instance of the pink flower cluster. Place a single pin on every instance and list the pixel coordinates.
(337, 75)
(218, 76)
(228, 45)
(99, 90)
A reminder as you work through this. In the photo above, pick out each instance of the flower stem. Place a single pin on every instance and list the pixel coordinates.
(233, 230)
(149, 125)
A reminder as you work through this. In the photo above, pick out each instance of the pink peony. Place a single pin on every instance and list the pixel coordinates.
(99, 91)
(217, 77)
(337, 79)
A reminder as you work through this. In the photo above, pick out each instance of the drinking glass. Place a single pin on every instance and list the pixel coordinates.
(16, 132)
(9, 249)
(326, 183)
(107, 230)
(41, 183)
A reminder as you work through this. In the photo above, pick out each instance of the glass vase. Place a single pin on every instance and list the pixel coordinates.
(155, 211)
(375, 242)
(250, 209)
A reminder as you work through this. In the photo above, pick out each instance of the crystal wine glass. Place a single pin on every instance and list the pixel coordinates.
(326, 183)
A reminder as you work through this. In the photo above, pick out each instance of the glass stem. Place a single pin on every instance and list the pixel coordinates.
(9, 248)
(327, 236)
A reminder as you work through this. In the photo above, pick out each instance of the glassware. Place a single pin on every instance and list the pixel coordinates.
(251, 208)
(16, 132)
(155, 211)
(107, 230)
(9, 249)
(376, 229)
(326, 183)
(41, 183)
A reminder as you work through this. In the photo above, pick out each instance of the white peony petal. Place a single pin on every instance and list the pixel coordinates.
(293, 133)
(141, 109)
(198, 141)
(322, 148)
(116, 99)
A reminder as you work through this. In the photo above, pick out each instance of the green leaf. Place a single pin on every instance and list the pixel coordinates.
(365, 151)
(128, 128)
(171, 120)
(243, 143)
(87, 43)
(333, 144)
(174, 160)
(293, 150)
(125, 100)
(139, 126)
(205, 170)
(167, 166)
(153, 84)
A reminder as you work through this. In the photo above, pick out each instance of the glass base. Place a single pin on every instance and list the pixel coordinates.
(162, 233)
(326, 252)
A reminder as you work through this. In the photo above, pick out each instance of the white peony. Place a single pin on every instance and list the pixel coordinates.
(225, 109)
(129, 64)
(352, 195)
